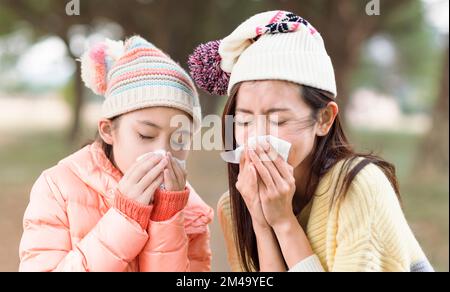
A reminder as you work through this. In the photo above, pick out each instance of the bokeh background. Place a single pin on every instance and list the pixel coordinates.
(391, 69)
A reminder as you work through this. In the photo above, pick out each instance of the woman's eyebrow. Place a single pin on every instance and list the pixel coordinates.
(244, 111)
(276, 110)
(148, 123)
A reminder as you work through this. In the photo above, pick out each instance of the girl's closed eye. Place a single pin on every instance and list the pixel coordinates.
(146, 137)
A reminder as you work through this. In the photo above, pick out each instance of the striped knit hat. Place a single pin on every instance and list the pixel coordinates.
(274, 45)
(135, 75)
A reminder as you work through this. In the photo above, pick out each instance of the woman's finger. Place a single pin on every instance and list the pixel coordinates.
(268, 163)
(262, 170)
(243, 158)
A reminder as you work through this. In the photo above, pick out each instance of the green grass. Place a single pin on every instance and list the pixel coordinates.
(25, 157)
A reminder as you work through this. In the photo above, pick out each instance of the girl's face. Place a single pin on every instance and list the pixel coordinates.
(136, 133)
(276, 108)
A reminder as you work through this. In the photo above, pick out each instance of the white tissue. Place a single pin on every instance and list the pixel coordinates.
(162, 152)
(281, 146)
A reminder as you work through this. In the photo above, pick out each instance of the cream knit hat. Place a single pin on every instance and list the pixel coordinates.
(274, 45)
(135, 75)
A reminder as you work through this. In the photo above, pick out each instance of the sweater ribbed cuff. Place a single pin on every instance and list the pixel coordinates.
(136, 211)
(168, 203)
(310, 264)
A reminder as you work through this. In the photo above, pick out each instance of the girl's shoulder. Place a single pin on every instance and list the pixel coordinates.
(198, 214)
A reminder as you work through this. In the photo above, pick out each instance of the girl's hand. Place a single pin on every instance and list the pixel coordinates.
(247, 185)
(140, 182)
(276, 184)
(174, 175)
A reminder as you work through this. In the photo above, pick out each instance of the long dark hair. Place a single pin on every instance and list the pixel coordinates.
(328, 150)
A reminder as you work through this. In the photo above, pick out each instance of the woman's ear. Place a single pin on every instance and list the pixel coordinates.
(326, 119)
(105, 130)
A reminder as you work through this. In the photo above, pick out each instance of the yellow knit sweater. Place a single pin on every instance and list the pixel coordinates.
(365, 231)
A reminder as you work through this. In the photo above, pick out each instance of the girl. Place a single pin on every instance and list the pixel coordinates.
(327, 208)
(102, 208)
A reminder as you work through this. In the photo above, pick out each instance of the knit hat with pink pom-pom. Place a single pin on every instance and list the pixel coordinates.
(135, 75)
(274, 45)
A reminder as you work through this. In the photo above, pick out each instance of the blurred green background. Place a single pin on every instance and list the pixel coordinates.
(391, 70)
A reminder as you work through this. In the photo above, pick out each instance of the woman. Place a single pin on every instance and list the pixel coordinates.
(326, 208)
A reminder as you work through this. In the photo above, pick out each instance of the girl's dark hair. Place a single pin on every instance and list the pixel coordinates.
(328, 150)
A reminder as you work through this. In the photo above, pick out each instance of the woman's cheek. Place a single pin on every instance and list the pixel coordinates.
(239, 135)
(299, 151)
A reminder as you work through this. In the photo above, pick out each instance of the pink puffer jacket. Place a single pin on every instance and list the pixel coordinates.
(70, 224)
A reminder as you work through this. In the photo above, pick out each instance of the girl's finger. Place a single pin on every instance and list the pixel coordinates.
(180, 173)
(143, 167)
(262, 170)
(133, 167)
(170, 180)
(170, 165)
(168, 184)
(151, 175)
(150, 190)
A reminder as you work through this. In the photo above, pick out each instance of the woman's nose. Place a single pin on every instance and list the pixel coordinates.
(260, 126)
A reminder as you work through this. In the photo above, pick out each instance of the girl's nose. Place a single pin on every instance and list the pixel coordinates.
(163, 144)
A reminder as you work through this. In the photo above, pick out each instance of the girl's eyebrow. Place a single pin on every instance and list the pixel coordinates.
(270, 111)
(148, 123)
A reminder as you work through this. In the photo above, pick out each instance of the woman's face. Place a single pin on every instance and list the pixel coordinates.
(275, 108)
(136, 133)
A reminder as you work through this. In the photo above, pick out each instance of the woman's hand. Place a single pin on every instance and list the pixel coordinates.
(174, 175)
(276, 184)
(140, 182)
(247, 185)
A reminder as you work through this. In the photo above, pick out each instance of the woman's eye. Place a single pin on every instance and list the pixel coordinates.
(243, 123)
(278, 123)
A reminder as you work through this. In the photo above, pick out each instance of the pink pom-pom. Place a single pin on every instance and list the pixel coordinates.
(93, 68)
(204, 65)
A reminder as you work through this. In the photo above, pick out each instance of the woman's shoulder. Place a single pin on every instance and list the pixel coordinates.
(370, 184)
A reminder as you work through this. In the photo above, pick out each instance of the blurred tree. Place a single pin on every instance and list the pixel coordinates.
(177, 26)
(433, 157)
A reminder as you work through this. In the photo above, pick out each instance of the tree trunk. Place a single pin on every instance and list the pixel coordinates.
(433, 157)
(77, 106)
